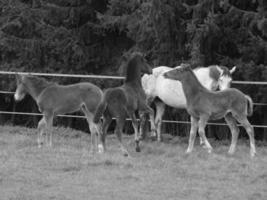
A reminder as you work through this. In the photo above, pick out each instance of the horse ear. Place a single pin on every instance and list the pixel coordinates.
(124, 58)
(185, 66)
(123, 63)
(232, 70)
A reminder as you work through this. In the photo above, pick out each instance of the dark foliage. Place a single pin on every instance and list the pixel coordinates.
(89, 37)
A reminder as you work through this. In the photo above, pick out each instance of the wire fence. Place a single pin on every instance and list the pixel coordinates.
(116, 78)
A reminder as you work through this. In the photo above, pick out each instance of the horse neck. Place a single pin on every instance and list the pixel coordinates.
(191, 86)
(133, 74)
(36, 87)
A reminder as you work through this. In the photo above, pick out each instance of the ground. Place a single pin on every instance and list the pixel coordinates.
(161, 171)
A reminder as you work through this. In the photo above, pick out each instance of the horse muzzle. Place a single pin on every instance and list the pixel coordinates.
(18, 97)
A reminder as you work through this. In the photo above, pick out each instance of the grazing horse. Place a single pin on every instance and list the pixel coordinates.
(170, 92)
(202, 105)
(125, 100)
(54, 99)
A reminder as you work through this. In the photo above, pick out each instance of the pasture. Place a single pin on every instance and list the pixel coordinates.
(160, 171)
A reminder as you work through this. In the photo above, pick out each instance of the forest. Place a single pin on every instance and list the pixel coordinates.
(90, 36)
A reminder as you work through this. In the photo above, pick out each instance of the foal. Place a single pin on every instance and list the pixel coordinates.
(203, 105)
(53, 99)
(125, 100)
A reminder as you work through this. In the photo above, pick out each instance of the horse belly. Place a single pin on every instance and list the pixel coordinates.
(69, 105)
(171, 92)
(218, 114)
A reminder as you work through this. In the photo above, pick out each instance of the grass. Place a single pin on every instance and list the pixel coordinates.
(160, 171)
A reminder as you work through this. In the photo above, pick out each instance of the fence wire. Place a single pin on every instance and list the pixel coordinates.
(116, 78)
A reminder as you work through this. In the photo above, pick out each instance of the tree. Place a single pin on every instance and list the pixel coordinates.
(90, 36)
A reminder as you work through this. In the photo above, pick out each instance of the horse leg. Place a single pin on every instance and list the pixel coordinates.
(107, 119)
(40, 131)
(193, 132)
(94, 135)
(201, 142)
(201, 131)
(50, 128)
(94, 129)
(120, 121)
(231, 122)
(143, 118)
(99, 133)
(49, 124)
(250, 131)
(136, 133)
(146, 109)
(160, 108)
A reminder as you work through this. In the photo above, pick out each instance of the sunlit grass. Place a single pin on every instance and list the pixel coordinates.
(160, 171)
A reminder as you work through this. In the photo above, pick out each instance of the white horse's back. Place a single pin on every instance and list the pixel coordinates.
(171, 91)
(149, 81)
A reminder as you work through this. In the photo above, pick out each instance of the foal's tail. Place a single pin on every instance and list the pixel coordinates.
(100, 109)
(250, 105)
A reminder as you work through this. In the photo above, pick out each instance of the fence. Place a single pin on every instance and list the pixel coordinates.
(117, 78)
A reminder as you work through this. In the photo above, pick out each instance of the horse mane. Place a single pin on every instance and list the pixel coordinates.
(186, 67)
(214, 72)
(38, 82)
(226, 71)
(132, 67)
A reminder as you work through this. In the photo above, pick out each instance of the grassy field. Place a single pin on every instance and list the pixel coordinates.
(161, 171)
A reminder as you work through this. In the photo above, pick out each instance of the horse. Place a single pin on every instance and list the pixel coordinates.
(125, 100)
(202, 105)
(170, 92)
(54, 99)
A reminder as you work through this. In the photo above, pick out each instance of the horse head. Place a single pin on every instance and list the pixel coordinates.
(225, 78)
(21, 89)
(178, 72)
(142, 62)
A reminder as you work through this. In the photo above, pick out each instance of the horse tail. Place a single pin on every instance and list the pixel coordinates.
(249, 105)
(100, 109)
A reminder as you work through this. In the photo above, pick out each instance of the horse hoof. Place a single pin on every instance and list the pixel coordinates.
(230, 152)
(188, 151)
(153, 134)
(125, 154)
(137, 149)
(209, 150)
(40, 144)
(100, 149)
(153, 138)
(252, 154)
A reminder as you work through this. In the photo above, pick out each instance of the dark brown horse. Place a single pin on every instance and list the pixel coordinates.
(202, 105)
(54, 99)
(123, 101)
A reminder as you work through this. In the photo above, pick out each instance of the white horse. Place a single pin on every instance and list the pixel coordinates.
(170, 92)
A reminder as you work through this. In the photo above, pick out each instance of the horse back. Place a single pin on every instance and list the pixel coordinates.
(69, 98)
(116, 101)
(125, 97)
(240, 101)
